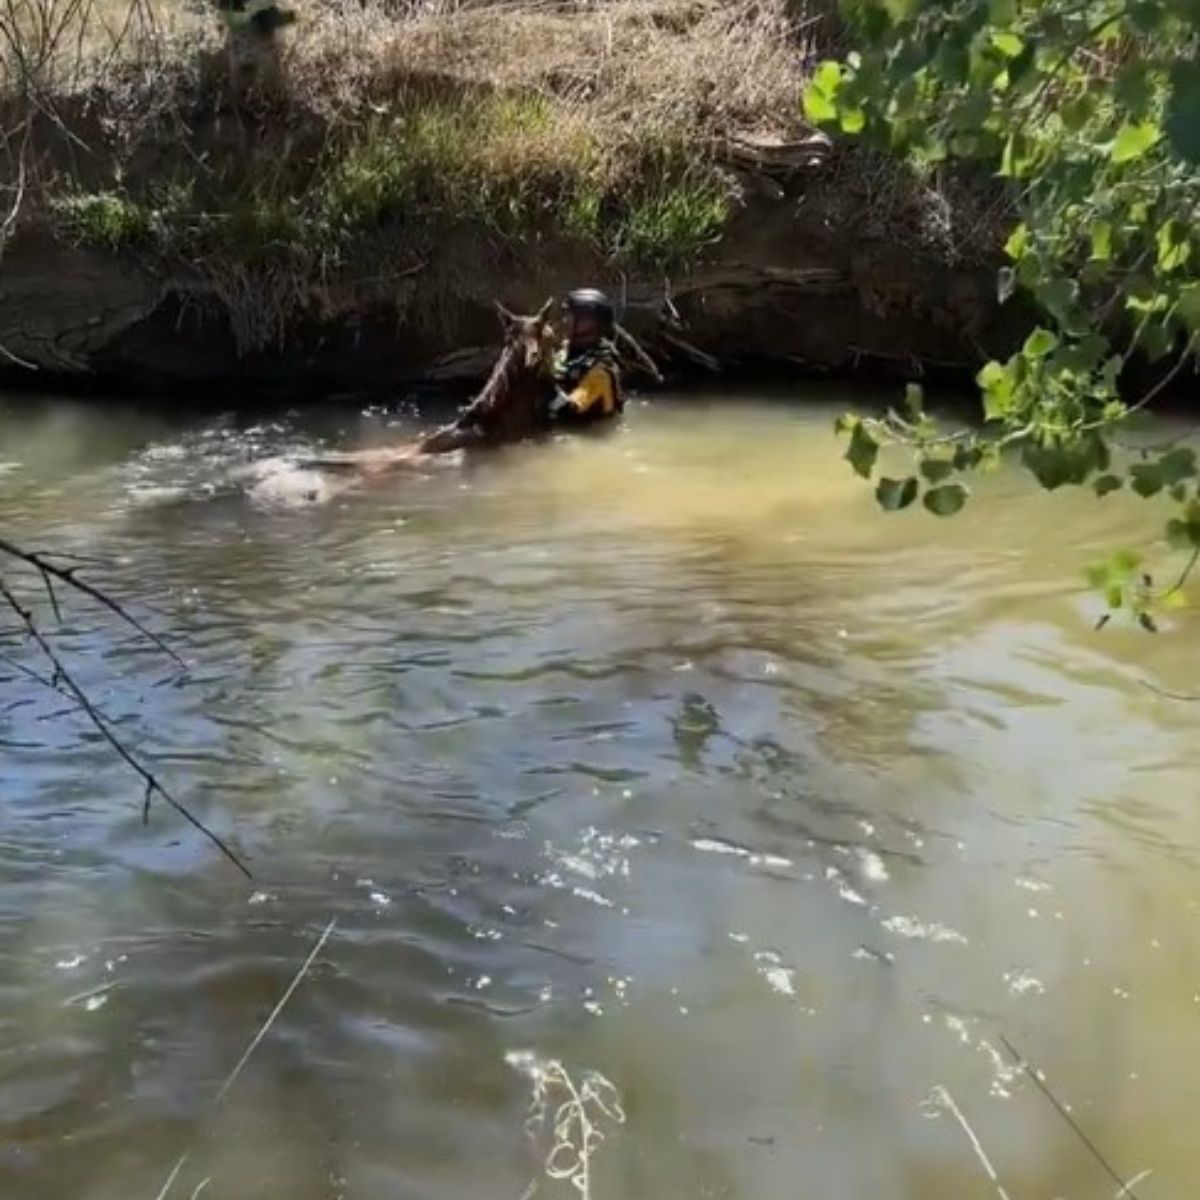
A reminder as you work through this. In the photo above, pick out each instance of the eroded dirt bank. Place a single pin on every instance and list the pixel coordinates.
(798, 280)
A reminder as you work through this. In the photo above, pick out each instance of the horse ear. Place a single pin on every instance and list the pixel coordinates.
(507, 319)
(544, 312)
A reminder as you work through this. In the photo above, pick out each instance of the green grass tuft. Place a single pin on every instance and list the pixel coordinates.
(677, 209)
(108, 220)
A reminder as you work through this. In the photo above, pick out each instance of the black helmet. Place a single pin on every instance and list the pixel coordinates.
(593, 301)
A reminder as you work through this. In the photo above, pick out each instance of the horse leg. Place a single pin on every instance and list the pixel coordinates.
(450, 438)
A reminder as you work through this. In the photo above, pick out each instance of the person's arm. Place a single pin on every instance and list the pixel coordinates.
(594, 395)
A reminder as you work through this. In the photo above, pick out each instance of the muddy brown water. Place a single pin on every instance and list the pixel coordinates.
(661, 754)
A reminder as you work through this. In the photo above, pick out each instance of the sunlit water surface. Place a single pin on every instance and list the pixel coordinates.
(660, 753)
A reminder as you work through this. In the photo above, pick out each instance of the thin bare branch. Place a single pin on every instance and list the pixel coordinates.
(100, 723)
(232, 1077)
(1093, 1149)
(69, 575)
(1169, 695)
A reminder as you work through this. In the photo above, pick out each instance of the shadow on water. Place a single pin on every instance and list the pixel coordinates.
(661, 754)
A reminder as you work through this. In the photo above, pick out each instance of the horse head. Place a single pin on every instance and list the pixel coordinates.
(530, 340)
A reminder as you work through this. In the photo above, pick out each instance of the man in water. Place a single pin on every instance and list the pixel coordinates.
(587, 375)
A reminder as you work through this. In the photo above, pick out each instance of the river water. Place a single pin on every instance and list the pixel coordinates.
(660, 754)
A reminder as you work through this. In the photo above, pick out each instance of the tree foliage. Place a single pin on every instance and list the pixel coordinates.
(1089, 110)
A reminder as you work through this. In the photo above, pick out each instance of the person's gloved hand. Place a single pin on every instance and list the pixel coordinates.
(560, 404)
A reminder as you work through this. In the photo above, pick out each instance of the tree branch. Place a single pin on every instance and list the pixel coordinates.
(69, 575)
(63, 681)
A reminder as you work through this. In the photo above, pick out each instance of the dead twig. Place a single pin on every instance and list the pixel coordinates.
(942, 1098)
(1093, 1149)
(644, 360)
(1169, 695)
(231, 1078)
(69, 575)
(707, 361)
(63, 676)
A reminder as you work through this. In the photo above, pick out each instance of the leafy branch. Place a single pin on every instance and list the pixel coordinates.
(1090, 115)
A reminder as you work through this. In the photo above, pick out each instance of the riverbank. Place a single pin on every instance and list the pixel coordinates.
(335, 206)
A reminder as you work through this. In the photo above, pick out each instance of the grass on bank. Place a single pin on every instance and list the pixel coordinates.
(284, 168)
(511, 166)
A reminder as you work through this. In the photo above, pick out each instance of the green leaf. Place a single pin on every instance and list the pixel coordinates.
(1108, 483)
(1183, 111)
(1173, 246)
(1132, 89)
(1059, 295)
(1183, 533)
(1155, 341)
(1147, 16)
(1039, 343)
(998, 386)
(937, 469)
(1053, 465)
(946, 500)
(1077, 112)
(1146, 479)
(1187, 305)
(863, 451)
(853, 120)
(1177, 465)
(1009, 44)
(820, 97)
(967, 458)
(895, 494)
(1015, 161)
(1102, 241)
(1134, 141)
(1018, 242)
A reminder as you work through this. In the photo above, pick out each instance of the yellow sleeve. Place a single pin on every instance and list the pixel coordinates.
(594, 393)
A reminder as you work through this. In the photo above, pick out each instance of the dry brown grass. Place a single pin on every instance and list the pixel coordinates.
(699, 68)
(603, 119)
(615, 73)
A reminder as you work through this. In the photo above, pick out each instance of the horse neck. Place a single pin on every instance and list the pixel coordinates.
(512, 391)
(501, 380)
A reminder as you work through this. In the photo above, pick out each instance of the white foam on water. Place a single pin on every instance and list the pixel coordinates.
(910, 927)
(771, 861)
(592, 897)
(716, 846)
(1028, 884)
(779, 976)
(872, 866)
(1023, 983)
(844, 890)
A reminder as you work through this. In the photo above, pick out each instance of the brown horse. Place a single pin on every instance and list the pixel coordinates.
(506, 410)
